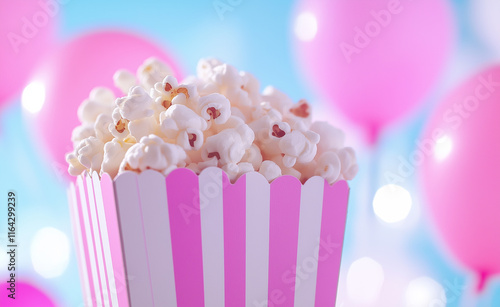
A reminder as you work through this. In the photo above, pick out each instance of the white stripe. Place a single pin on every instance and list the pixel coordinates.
(97, 238)
(311, 205)
(79, 245)
(153, 194)
(212, 235)
(258, 197)
(132, 234)
(105, 239)
(90, 241)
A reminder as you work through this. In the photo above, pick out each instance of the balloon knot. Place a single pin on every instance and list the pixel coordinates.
(483, 279)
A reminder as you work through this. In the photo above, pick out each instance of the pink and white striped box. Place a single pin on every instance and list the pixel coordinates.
(197, 240)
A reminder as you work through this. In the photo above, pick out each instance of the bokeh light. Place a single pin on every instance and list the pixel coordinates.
(50, 251)
(443, 147)
(33, 97)
(424, 292)
(365, 279)
(306, 26)
(392, 203)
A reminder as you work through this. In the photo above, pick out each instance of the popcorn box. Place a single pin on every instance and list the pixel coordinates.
(199, 240)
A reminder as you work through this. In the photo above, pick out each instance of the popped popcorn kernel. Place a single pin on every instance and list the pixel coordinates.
(219, 117)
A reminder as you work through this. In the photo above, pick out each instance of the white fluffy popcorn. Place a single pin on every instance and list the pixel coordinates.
(82, 132)
(228, 146)
(215, 108)
(153, 153)
(152, 71)
(270, 170)
(100, 101)
(169, 92)
(101, 128)
(136, 105)
(298, 146)
(114, 153)
(217, 118)
(89, 154)
(124, 80)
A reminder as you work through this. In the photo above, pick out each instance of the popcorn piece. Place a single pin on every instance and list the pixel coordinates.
(198, 167)
(349, 167)
(205, 67)
(234, 171)
(143, 127)
(253, 156)
(290, 171)
(152, 71)
(75, 168)
(153, 153)
(90, 154)
(136, 105)
(328, 166)
(114, 153)
(215, 108)
(307, 170)
(270, 170)
(101, 128)
(183, 124)
(169, 92)
(82, 132)
(331, 137)
(298, 146)
(228, 146)
(124, 80)
(100, 101)
(119, 127)
(277, 99)
(234, 86)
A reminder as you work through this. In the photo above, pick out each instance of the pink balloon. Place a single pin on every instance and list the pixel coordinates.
(27, 32)
(26, 295)
(459, 174)
(69, 76)
(375, 60)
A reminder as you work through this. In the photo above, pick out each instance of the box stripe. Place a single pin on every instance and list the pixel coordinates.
(153, 193)
(115, 245)
(185, 228)
(332, 237)
(311, 204)
(97, 241)
(257, 239)
(84, 213)
(283, 236)
(234, 240)
(212, 235)
(79, 245)
(134, 245)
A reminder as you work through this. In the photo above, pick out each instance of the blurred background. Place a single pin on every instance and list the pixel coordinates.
(412, 83)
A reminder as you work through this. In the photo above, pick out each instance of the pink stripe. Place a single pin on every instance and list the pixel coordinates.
(85, 242)
(283, 240)
(108, 198)
(185, 227)
(234, 202)
(86, 188)
(331, 239)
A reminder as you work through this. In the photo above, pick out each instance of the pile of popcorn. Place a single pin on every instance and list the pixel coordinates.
(218, 118)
